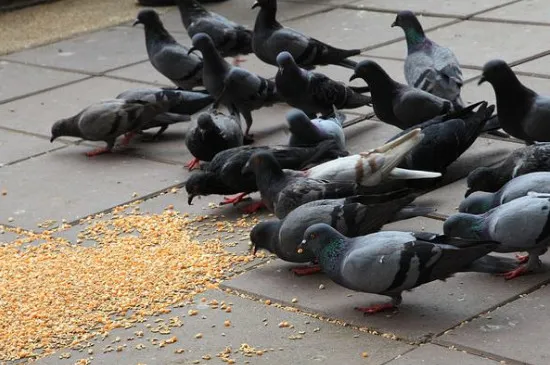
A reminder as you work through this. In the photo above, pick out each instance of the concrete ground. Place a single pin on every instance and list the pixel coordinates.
(470, 319)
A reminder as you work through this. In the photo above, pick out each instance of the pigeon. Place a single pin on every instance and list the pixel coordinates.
(446, 138)
(230, 38)
(522, 112)
(352, 216)
(522, 161)
(191, 102)
(369, 169)
(314, 92)
(481, 202)
(223, 175)
(239, 90)
(168, 56)
(428, 65)
(108, 119)
(306, 132)
(398, 104)
(213, 132)
(390, 262)
(270, 38)
(521, 224)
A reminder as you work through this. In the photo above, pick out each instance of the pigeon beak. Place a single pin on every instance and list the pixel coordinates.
(191, 50)
(394, 24)
(53, 139)
(255, 5)
(468, 192)
(353, 77)
(254, 249)
(136, 22)
(190, 199)
(481, 80)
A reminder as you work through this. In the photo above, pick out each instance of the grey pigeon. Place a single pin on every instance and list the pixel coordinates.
(481, 202)
(522, 112)
(522, 161)
(271, 38)
(314, 92)
(109, 119)
(223, 175)
(230, 39)
(390, 262)
(446, 138)
(168, 56)
(189, 103)
(305, 131)
(353, 216)
(428, 65)
(212, 133)
(398, 104)
(521, 224)
(239, 90)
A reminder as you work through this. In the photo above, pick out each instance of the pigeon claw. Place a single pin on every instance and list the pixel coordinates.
(306, 270)
(194, 163)
(127, 138)
(237, 61)
(98, 151)
(519, 271)
(376, 308)
(522, 258)
(253, 208)
(234, 200)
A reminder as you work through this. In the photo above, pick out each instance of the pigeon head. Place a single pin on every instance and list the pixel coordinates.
(261, 162)
(321, 236)
(205, 122)
(65, 127)
(477, 203)
(482, 179)
(264, 236)
(203, 183)
(464, 225)
(369, 71)
(265, 4)
(202, 42)
(414, 33)
(286, 62)
(497, 72)
(147, 17)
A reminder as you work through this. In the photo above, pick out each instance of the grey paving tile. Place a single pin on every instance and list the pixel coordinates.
(18, 79)
(437, 355)
(93, 52)
(536, 66)
(523, 11)
(475, 42)
(514, 331)
(419, 224)
(445, 7)
(16, 146)
(65, 184)
(445, 199)
(251, 323)
(37, 113)
(331, 2)
(143, 72)
(6, 237)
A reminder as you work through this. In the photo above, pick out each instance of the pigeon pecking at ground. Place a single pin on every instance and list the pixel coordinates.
(239, 90)
(271, 38)
(212, 132)
(168, 56)
(189, 102)
(230, 39)
(522, 161)
(429, 66)
(522, 112)
(398, 104)
(305, 131)
(390, 262)
(314, 92)
(519, 225)
(481, 201)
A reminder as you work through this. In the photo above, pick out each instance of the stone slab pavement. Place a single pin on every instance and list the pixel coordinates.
(470, 319)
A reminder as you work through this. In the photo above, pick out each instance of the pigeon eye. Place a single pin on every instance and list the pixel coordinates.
(313, 236)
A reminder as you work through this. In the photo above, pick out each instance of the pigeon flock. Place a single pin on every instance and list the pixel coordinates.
(330, 205)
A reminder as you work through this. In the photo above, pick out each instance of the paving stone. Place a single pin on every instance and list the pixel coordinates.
(6, 237)
(515, 331)
(524, 11)
(251, 323)
(93, 52)
(332, 2)
(16, 146)
(445, 199)
(341, 27)
(476, 42)
(19, 80)
(445, 7)
(419, 224)
(437, 355)
(37, 113)
(537, 66)
(143, 72)
(67, 184)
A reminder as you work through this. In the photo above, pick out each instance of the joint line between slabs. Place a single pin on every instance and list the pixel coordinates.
(478, 353)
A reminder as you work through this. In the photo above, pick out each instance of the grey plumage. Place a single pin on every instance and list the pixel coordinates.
(520, 225)
(390, 262)
(239, 90)
(270, 38)
(428, 65)
(168, 56)
(522, 161)
(305, 131)
(522, 112)
(481, 202)
(398, 104)
(314, 92)
(230, 39)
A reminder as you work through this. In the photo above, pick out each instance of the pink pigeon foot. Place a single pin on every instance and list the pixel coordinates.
(234, 200)
(194, 163)
(522, 258)
(376, 308)
(519, 271)
(127, 138)
(98, 151)
(253, 208)
(306, 270)
(237, 61)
